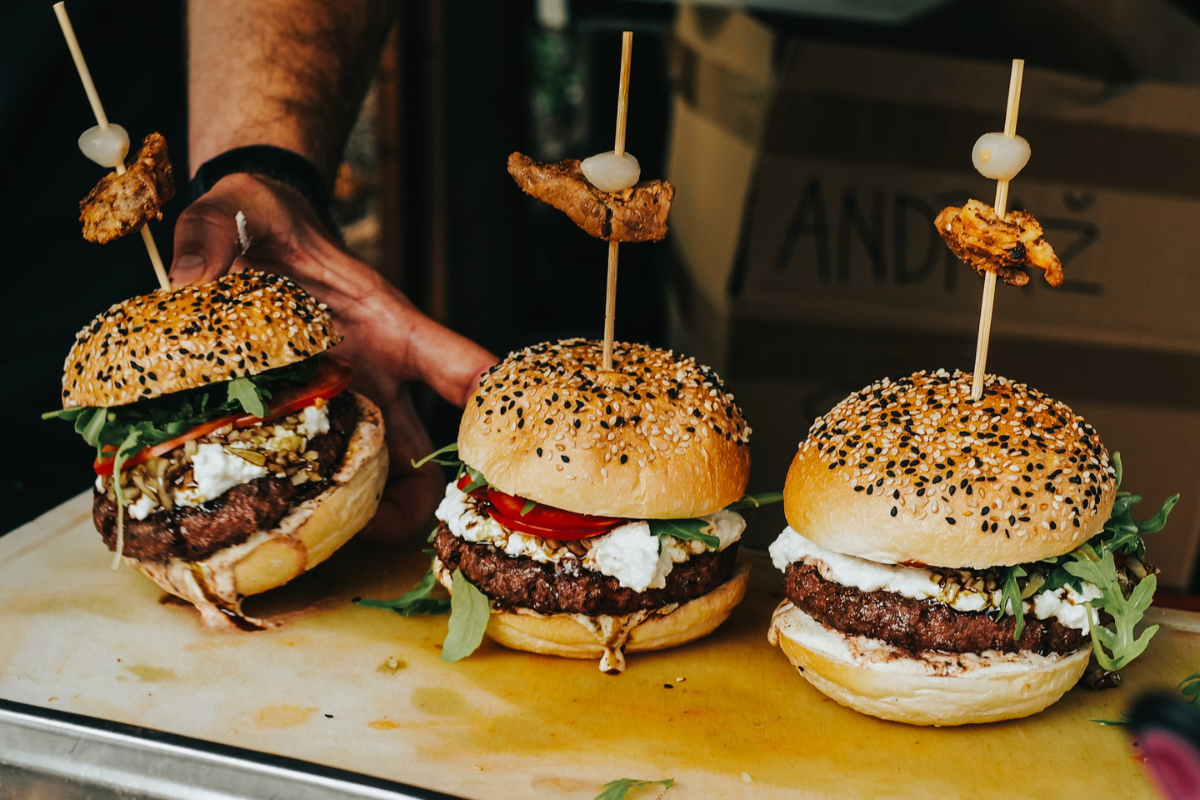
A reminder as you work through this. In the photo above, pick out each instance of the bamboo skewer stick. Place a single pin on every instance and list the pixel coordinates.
(85, 76)
(1001, 206)
(610, 304)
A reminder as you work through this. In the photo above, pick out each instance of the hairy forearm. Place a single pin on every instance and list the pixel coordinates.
(289, 73)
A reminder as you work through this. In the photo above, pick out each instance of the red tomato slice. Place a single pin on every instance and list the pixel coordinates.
(331, 379)
(541, 520)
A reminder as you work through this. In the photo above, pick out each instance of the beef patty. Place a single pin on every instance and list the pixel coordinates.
(919, 625)
(195, 533)
(519, 581)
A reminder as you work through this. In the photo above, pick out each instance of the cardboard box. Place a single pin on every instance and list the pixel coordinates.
(808, 175)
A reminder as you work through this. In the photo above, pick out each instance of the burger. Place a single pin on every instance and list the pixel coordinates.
(952, 561)
(594, 512)
(230, 455)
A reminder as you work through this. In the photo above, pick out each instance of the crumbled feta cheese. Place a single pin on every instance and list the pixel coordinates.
(216, 472)
(313, 421)
(630, 554)
(143, 507)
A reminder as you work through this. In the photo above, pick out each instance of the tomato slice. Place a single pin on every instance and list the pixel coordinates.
(541, 520)
(331, 379)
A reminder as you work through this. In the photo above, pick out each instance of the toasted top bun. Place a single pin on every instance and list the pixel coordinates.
(655, 438)
(242, 324)
(914, 471)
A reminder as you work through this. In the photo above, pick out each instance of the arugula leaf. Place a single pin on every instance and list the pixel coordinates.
(684, 530)
(1011, 597)
(417, 601)
(1124, 720)
(433, 534)
(477, 480)
(450, 448)
(244, 392)
(616, 790)
(529, 506)
(755, 501)
(1189, 687)
(470, 611)
(1119, 640)
(161, 419)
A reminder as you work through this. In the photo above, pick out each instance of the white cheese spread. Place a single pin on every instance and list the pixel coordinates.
(1065, 604)
(629, 553)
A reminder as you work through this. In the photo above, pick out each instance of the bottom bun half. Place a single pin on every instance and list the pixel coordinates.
(875, 678)
(607, 638)
(305, 537)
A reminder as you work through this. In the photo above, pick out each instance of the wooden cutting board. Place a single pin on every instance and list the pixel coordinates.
(365, 690)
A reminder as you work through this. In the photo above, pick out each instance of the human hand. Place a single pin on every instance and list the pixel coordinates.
(387, 339)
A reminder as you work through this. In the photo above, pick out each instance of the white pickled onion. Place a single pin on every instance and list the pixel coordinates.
(106, 146)
(1000, 157)
(610, 172)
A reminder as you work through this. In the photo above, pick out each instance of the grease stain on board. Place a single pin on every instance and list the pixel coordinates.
(439, 700)
(149, 674)
(282, 716)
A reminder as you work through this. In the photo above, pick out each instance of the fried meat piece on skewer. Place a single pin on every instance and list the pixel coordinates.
(122, 204)
(1003, 246)
(638, 214)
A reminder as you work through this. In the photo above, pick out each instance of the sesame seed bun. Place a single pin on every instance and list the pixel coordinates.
(568, 635)
(241, 324)
(655, 438)
(310, 533)
(915, 472)
(875, 678)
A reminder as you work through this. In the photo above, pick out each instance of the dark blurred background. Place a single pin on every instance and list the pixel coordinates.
(424, 196)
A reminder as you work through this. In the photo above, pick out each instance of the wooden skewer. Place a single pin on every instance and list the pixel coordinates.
(1001, 206)
(85, 76)
(610, 304)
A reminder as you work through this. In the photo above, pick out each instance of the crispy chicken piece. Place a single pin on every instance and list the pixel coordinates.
(122, 204)
(638, 214)
(1003, 246)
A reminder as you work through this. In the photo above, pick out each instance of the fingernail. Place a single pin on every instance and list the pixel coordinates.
(186, 269)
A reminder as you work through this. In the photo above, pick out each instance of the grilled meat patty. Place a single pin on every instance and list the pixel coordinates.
(194, 533)
(521, 582)
(919, 625)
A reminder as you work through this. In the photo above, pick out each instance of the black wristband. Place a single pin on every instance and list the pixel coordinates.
(277, 163)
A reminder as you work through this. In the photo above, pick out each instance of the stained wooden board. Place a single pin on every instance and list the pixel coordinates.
(77, 636)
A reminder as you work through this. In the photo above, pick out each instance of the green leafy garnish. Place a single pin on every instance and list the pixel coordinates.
(470, 611)
(529, 506)
(696, 528)
(684, 530)
(1124, 720)
(450, 448)
(616, 790)
(1116, 646)
(477, 480)
(755, 501)
(161, 419)
(1189, 687)
(417, 601)
(249, 396)
(1011, 598)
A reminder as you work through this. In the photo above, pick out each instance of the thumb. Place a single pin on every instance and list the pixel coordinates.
(206, 242)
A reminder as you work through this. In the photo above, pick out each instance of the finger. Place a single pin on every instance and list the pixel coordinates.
(206, 243)
(450, 363)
